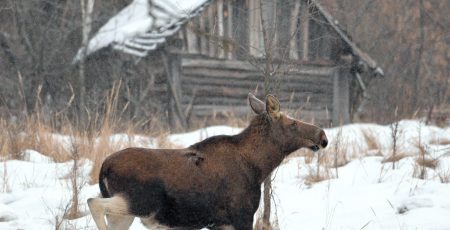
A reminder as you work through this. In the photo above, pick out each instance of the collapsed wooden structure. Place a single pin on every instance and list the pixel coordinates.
(294, 49)
(222, 57)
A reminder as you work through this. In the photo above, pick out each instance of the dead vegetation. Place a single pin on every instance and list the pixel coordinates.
(371, 139)
(427, 162)
(316, 175)
(440, 141)
(392, 158)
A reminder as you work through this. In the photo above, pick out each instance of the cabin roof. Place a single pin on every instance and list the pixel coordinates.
(370, 62)
(144, 24)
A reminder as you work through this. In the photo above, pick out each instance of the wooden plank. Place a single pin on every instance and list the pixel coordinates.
(341, 97)
(223, 64)
(249, 83)
(293, 50)
(243, 65)
(192, 44)
(240, 29)
(203, 39)
(304, 28)
(172, 63)
(230, 48)
(225, 94)
(212, 31)
(305, 115)
(235, 77)
(220, 29)
(255, 28)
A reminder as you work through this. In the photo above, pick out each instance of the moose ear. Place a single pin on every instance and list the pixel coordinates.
(273, 106)
(256, 104)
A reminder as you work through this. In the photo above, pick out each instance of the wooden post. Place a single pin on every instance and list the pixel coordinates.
(212, 31)
(229, 44)
(172, 64)
(203, 40)
(220, 30)
(191, 38)
(268, 15)
(241, 30)
(293, 52)
(255, 28)
(341, 96)
(304, 28)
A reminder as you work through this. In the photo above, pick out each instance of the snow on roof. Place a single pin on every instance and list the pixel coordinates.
(142, 25)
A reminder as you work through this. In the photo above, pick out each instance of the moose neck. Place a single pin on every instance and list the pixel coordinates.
(261, 150)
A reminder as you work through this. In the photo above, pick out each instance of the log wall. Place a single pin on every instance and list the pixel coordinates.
(220, 87)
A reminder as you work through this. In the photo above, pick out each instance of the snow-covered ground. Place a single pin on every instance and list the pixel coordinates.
(366, 193)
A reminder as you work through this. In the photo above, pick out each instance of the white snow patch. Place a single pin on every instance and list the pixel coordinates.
(187, 139)
(366, 194)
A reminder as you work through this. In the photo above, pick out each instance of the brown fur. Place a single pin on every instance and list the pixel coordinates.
(214, 182)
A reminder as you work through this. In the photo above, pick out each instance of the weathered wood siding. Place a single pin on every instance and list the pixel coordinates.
(220, 87)
(216, 47)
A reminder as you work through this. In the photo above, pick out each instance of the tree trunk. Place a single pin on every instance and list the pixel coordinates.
(87, 7)
(416, 80)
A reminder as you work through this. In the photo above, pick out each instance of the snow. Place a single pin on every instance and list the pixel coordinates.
(364, 194)
(142, 25)
(187, 139)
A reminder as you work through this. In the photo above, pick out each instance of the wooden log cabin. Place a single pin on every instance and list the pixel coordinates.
(313, 62)
(293, 49)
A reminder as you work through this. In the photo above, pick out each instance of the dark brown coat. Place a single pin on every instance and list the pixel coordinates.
(214, 182)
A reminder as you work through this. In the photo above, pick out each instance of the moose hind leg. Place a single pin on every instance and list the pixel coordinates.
(97, 212)
(99, 207)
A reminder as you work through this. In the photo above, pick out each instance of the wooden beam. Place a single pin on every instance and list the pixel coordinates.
(229, 45)
(243, 65)
(212, 31)
(304, 28)
(293, 31)
(203, 39)
(220, 29)
(172, 64)
(191, 38)
(341, 97)
(255, 28)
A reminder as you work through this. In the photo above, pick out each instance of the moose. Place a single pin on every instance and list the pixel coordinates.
(215, 183)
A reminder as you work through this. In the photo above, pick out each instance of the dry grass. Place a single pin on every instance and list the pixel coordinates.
(440, 142)
(57, 137)
(427, 162)
(394, 158)
(32, 133)
(444, 177)
(371, 139)
(315, 176)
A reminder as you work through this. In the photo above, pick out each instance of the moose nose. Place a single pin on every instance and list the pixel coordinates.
(323, 139)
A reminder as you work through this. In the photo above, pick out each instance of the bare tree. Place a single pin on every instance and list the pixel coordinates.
(87, 7)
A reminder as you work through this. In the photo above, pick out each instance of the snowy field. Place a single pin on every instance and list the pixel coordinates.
(364, 193)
